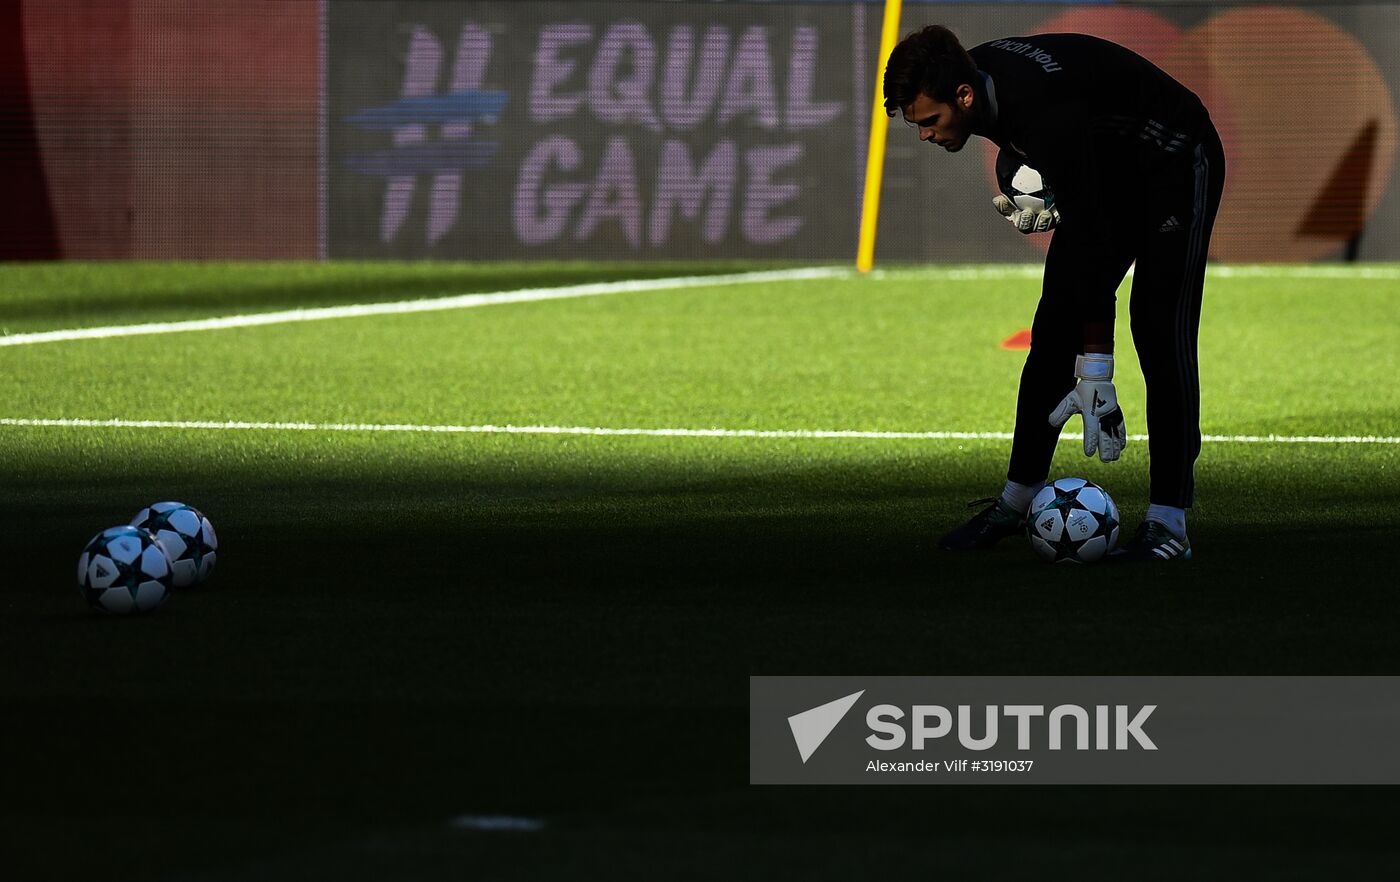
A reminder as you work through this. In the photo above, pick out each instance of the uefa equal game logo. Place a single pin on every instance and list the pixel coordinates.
(618, 136)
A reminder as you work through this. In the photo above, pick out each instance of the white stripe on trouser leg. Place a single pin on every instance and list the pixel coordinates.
(1187, 369)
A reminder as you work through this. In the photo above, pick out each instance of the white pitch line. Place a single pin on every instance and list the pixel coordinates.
(993, 272)
(1304, 272)
(801, 434)
(431, 304)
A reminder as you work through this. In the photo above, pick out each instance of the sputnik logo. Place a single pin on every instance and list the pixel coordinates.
(454, 115)
(810, 728)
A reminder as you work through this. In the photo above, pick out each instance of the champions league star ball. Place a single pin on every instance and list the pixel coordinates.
(1072, 520)
(187, 536)
(1028, 190)
(124, 570)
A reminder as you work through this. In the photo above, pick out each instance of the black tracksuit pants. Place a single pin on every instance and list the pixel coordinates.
(1169, 241)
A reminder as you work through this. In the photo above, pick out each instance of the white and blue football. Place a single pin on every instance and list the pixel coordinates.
(188, 537)
(124, 570)
(1072, 520)
(1029, 191)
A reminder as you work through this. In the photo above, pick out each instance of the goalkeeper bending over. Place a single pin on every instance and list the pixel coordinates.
(1136, 169)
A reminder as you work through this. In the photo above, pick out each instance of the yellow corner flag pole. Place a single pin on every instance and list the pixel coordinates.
(875, 155)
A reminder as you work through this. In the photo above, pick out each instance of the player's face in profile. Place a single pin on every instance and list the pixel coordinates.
(947, 125)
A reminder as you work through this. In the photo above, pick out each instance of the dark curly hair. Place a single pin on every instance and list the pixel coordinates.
(931, 61)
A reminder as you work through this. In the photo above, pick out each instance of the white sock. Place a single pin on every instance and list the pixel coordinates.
(1019, 496)
(1173, 519)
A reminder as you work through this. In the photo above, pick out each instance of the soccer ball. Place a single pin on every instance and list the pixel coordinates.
(124, 570)
(1028, 190)
(188, 538)
(1072, 520)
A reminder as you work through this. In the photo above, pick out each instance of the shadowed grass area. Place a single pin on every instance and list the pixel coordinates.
(563, 628)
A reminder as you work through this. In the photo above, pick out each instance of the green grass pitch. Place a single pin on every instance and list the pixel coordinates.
(411, 626)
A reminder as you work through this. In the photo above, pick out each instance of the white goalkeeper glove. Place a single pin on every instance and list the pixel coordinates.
(1024, 219)
(1095, 398)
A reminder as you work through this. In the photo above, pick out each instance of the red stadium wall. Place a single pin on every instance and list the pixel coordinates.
(193, 129)
(26, 220)
(173, 129)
